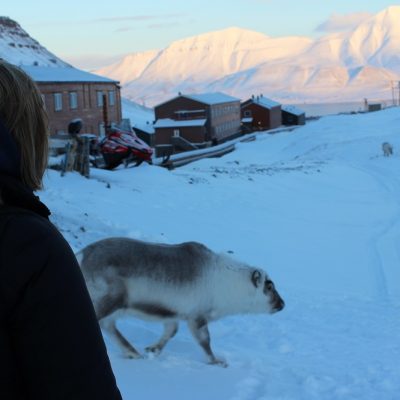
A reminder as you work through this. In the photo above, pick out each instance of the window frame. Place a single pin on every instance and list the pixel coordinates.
(73, 100)
(111, 98)
(99, 98)
(58, 101)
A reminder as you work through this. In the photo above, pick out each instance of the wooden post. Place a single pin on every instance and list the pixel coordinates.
(76, 158)
(105, 114)
(82, 163)
(70, 157)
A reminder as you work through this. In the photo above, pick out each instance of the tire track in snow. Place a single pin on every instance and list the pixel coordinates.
(382, 237)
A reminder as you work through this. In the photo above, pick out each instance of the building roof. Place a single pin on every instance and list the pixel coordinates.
(205, 98)
(61, 74)
(147, 128)
(293, 110)
(263, 101)
(170, 123)
(211, 98)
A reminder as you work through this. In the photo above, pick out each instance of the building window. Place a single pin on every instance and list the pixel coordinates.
(247, 113)
(73, 100)
(111, 98)
(176, 132)
(100, 98)
(58, 102)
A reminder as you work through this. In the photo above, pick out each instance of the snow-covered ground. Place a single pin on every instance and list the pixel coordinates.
(319, 209)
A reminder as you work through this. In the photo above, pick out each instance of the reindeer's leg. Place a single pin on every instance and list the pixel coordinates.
(128, 350)
(170, 329)
(199, 330)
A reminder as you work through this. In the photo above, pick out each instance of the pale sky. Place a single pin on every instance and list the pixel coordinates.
(92, 33)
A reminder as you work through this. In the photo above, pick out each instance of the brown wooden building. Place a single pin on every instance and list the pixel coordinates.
(265, 113)
(198, 118)
(69, 93)
(192, 130)
(292, 115)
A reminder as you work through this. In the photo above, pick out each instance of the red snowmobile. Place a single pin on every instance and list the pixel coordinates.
(122, 147)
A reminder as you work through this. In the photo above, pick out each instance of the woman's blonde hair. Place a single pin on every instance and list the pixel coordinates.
(22, 112)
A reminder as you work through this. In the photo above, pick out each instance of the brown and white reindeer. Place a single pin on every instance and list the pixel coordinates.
(172, 283)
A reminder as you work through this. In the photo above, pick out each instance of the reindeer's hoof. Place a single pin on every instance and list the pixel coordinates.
(219, 362)
(133, 355)
(156, 350)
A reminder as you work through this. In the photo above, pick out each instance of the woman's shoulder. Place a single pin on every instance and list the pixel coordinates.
(15, 221)
(29, 244)
(21, 229)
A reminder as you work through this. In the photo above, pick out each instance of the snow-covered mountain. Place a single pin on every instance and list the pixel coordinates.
(213, 54)
(130, 68)
(17, 47)
(348, 65)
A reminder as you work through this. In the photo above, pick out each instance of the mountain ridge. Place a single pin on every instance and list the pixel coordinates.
(348, 65)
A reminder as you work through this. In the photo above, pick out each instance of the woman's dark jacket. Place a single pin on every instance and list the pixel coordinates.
(51, 347)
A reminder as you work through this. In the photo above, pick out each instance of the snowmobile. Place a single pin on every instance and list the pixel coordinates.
(120, 147)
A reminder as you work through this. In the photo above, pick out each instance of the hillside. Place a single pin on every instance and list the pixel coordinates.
(130, 68)
(17, 47)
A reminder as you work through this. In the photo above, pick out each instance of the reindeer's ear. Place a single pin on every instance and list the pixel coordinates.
(256, 278)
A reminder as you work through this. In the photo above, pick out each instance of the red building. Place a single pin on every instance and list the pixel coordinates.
(69, 93)
(197, 118)
(264, 113)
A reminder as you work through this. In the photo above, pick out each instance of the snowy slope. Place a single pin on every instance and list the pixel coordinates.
(213, 54)
(319, 209)
(219, 53)
(376, 41)
(130, 68)
(140, 116)
(17, 47)
(241, 62)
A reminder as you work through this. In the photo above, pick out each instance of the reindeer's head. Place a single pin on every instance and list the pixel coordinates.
(266, 293)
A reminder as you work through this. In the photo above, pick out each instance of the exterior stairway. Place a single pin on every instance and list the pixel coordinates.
(183, 144)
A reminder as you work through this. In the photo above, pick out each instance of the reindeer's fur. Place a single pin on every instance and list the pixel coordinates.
(387, 149)
(169, 283)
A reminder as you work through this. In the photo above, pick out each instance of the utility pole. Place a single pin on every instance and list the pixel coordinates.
(393, 99)
(398, 88)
